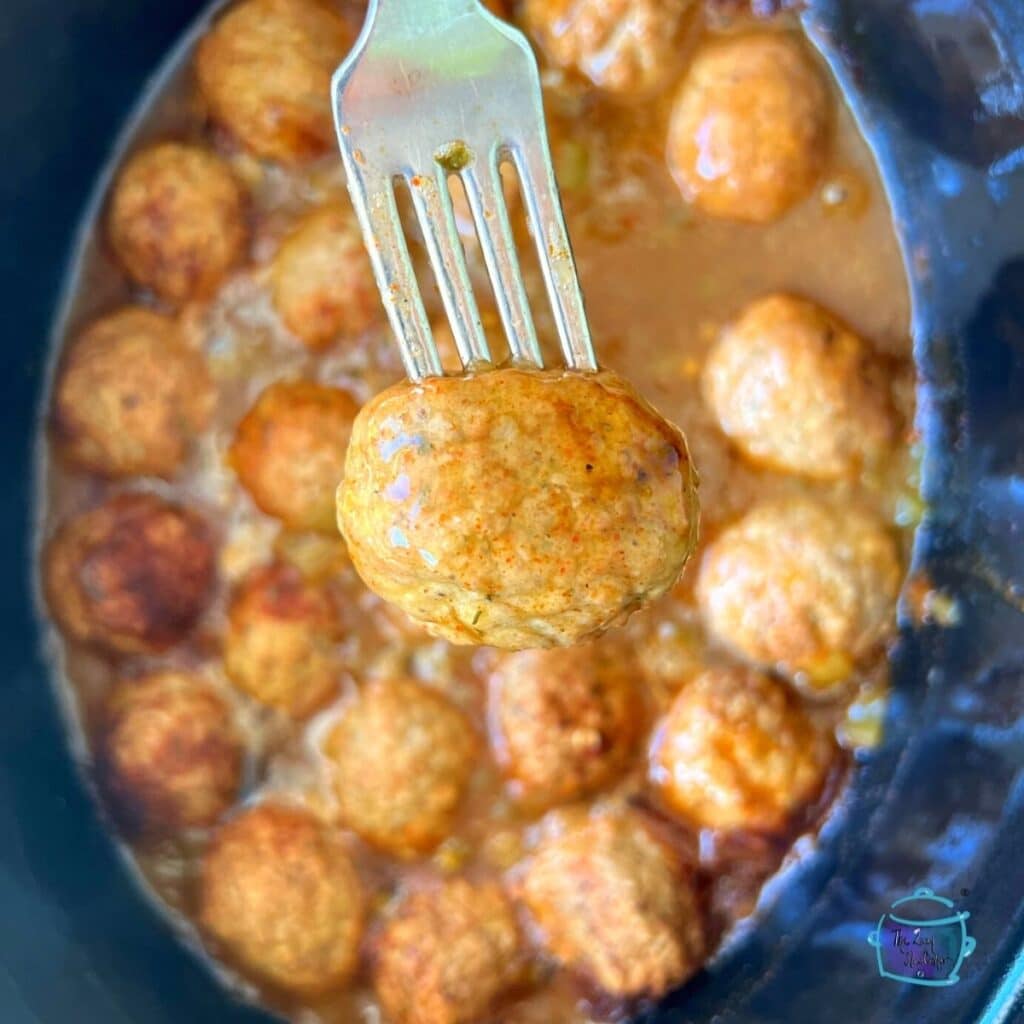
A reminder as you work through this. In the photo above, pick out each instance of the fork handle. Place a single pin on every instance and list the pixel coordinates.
(415, 16)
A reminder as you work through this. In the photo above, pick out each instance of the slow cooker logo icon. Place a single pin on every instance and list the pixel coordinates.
(922, 940)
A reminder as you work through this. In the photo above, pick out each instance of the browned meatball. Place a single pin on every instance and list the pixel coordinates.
(177, 221)
(169, 756)
(613, 904)
(279, 894)
(131, 397)
(265, 70)
(749, 128)
(279, 644)
(322, 281)
(797, 390)
(803, 586)
(518, 509)
(564, 721)
(131, 575)
(629, 48)
(402, 756)
(289, 451)
(736, 750)
(448, 954)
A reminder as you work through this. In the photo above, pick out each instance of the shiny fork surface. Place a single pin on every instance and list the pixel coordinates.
(441, 88)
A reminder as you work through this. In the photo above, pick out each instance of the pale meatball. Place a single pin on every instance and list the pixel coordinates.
(130, 576)
(803, 586)
(280, 644)
(169, 755)
(402, 756)
(322, 283)
(798, 391)
(628, 48)
(279, 895)
(613, 904)
(131, 397)
(265, 72)
(448, 954)
(564, 721)
(515, 508)
(749, 128)
(289, 452)
(736, 751)
(177, 221)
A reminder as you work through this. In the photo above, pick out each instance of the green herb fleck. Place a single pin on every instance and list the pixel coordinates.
(454, 156)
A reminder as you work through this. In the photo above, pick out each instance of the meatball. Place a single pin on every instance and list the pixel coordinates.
(803, 586)
(322, 282)
(613, 904)
(749, 128)
(130, 576)
(628, 48)
(131, 397)
(737, 751)
(169, 756)
(448, 955)
(289, 452)
(402, 756)
(280, 895)
(517, 508)
(564, 721)
(265, 71)
(279, 644)
(177, 221)
(796, 390)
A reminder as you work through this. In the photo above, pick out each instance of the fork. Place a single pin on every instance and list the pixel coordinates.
(435, 89)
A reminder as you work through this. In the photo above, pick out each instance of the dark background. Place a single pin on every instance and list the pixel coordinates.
(939, 88)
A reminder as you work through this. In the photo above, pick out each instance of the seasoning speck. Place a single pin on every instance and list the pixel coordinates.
(455, 156)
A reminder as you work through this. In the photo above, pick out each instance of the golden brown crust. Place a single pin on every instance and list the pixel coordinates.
(323, 285)
(279, 644)
(565, 721)
(613, 905)
(803, 586)
(265, 71)
(628, 48)
(736, 751)
(402, 757)
(131, 575)
(131, 397)
(448, 954)
(798, 391)
(177, 221)
(749, 127)
(289, 451)
(280, 896)
(517, 508)
(169, 755)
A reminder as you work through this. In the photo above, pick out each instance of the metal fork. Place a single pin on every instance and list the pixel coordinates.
(440, 88)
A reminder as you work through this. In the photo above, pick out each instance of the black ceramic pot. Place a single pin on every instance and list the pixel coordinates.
(938, 86)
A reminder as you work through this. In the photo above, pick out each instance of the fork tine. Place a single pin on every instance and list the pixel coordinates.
(545, 211)
(396, 279)
(433, 205)
(490, 214)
